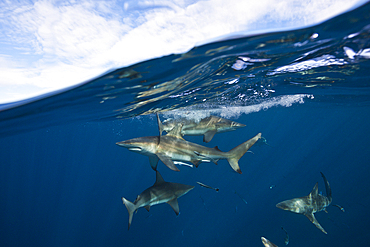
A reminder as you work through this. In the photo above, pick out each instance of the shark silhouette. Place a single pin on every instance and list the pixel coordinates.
(172, 148)
(310, 204)
(207, 127)
(160, 192)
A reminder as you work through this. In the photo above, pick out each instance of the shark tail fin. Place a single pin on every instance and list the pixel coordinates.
(236, 153)
(327, 187)
(130, 208)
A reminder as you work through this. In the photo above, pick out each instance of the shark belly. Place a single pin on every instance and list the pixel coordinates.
(181, 150)
(177, 149)
(156, 195)
(159, 200)
(193, 132)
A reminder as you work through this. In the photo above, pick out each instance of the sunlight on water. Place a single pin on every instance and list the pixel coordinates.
(324, 60)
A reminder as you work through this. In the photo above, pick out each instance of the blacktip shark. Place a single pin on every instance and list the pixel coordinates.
(160, 192)
(172, 148)
(208, 126)
(310, 204)
(267, 243)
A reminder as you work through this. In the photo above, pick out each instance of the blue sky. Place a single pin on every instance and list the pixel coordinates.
(48, 45)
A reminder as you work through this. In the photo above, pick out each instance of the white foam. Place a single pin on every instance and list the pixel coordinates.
(323, 61)
(227, 111)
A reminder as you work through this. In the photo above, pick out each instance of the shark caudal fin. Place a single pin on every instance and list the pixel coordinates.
(130, 208)
(236, 153)
(327, 187)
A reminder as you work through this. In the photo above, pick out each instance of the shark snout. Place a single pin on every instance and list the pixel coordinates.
(239, 125)
(296, 205)
(129, 145)
(123, 144)
(236, 125)
(283, 205)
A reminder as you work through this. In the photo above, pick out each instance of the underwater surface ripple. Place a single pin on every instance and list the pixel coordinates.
(328, 63)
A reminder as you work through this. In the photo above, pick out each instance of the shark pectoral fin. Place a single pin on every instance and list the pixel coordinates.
(175, 205)
(130, 208)
(312, 218)
(168, 162)
(153, 162)
(147, 207)
(196, 162)
(207, 137)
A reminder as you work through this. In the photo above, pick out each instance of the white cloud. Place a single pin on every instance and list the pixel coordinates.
(54, 44)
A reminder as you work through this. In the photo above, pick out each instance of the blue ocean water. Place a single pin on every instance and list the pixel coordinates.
(307, 91)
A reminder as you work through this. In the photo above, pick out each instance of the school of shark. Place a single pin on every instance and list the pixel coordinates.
(172, 149)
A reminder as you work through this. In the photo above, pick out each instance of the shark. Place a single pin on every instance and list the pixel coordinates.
(207, 127)
(160, 192)
(267, 242)
(172, 149)
(308, 205)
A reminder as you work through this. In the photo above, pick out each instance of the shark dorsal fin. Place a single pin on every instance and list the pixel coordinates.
(153, 160)
(176, 131)
(216, 148)
(160, 125)
(159, 179)
(315, 191)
